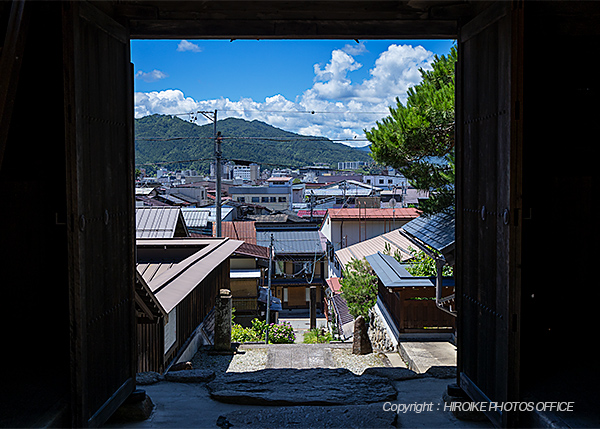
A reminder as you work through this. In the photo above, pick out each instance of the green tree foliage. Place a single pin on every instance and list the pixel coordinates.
(165, 138)
(418, 138)
(359, 287)
(422, 265)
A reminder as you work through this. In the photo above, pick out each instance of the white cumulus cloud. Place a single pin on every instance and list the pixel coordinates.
(342, 108)
(185, 46)
(152, 76)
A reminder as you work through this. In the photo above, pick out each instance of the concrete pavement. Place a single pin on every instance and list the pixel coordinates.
(300, 356)
(422, 355)
(301, 322)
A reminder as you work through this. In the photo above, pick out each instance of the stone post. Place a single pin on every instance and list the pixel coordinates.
(313, 307)
(223, 321)
(361, 344)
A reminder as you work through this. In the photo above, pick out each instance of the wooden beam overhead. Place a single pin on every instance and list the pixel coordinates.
(432, 19)
(11, 57)
(292, 29)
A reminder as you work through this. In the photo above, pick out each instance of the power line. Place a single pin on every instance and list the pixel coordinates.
(273, 139)
(311, 112)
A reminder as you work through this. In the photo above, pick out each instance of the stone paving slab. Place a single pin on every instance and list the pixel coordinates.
(318, 386)
(299, 356)
(354, 416)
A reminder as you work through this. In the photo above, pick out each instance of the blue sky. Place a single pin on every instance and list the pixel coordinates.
(277, 81)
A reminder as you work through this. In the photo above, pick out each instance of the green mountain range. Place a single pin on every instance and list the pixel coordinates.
(160, 138)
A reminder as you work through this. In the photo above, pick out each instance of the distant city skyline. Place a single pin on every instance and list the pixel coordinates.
(349, 85)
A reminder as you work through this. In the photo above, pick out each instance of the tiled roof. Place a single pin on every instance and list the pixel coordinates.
(372, 214)
(317, 213)
(148, 201)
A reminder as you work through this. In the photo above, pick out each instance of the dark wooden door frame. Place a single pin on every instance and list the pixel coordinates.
(489, 314)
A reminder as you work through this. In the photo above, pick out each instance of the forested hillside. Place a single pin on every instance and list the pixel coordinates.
(166, 138)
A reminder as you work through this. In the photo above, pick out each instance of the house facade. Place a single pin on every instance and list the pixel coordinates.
(176, 286)
(300, 261)
(276, 196)
(345, 227)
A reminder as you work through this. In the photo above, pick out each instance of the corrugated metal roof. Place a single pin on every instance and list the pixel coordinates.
(225, 211)
(351, 192)
(171, 281)
(157, 222)
(293, 242)
(436, 231)
(371, 214)
(239, 230)
(334, 284)
(195, 218)
(253, 250)
(394, 239)
(392, 274)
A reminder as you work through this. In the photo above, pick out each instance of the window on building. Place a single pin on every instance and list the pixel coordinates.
(273, 199)
(241, 199)
(390, 181)
(264, 199)
(255, 199)
(282, 199)
(381, 181)
(368, 181)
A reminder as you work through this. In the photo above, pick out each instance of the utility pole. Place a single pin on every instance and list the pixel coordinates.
(218, 140)
(269, 290)
(312, 202)
(212, 116)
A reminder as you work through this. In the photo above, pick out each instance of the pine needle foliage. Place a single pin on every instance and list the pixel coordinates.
(359, 288)
(418, 138)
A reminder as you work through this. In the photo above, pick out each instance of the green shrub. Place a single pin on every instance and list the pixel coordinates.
(278, 334)
(239, 334)
(317, 336)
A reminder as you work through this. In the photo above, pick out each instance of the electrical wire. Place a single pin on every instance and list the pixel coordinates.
(273, 139)
(311, 112)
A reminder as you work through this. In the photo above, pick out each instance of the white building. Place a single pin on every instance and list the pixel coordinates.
(351, 165)
(386, 182)
(246, 172)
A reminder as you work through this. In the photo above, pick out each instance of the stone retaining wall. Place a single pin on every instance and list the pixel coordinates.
(379, 335)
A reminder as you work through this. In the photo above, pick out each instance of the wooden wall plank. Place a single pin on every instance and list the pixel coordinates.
(100, 164)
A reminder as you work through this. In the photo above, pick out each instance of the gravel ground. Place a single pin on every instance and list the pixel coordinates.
(255, 358)
(252, 360)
